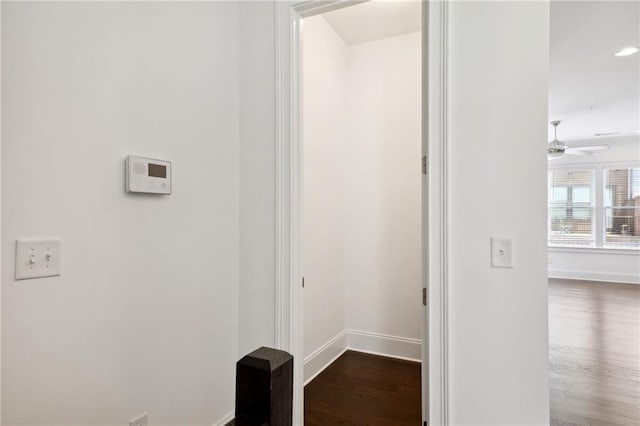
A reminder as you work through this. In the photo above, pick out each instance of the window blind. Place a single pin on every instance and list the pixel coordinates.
(571, 207)
(622, 207)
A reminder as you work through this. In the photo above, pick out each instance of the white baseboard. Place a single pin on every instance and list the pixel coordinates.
(385, 345)
(226, 419)
(360, 341)
(613, 277)
(323, 356)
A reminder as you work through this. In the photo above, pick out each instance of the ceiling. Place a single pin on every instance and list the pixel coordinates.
(375, 20)
(591, 90)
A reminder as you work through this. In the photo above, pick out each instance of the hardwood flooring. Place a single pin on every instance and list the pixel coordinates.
(362, 389)
(594, 353)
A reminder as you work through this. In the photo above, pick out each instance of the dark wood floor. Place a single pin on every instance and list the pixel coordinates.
(594, 353)
(361, 389)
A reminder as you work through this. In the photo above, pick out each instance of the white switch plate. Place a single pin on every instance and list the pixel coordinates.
(141, 420)
(38, 258)
(501, 253)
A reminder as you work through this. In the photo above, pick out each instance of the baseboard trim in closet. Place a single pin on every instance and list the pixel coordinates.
(322, 357)
(361, 341)
(385, 345)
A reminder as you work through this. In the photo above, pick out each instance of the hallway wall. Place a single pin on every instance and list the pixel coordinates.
(145, 314)
(498, 89)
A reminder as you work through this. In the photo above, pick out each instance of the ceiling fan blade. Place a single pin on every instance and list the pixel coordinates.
(592, 148)
(576, 151)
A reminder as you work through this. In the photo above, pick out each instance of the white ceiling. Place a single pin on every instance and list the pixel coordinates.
(591, 90)
(375, 20)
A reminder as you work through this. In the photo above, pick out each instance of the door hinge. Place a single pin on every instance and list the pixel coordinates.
(424, 164)
(424, 296)
(302, 282)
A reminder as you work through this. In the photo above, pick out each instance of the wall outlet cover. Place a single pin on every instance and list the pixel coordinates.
(140, 420)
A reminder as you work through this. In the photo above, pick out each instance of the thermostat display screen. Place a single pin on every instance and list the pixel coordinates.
(157, 170)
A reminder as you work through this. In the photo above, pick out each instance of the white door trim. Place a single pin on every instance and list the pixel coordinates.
(436, 147)
(288, 290)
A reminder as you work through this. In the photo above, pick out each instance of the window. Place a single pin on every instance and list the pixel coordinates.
(571, 206)
(622, 207)
(596, 206)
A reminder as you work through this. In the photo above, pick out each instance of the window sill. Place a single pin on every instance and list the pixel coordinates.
(632, 251)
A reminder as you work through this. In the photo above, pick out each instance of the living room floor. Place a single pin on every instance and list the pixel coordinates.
(594, 353)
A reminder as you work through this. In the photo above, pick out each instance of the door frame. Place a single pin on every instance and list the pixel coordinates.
(289, 155)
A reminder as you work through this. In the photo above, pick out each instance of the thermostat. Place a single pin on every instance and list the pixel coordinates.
(147, 175)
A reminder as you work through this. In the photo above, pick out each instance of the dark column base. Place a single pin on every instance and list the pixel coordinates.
(264, 388)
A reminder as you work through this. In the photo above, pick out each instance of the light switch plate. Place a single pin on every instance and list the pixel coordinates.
(38, 258)
(501, 253)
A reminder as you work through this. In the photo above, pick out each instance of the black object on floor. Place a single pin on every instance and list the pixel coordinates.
(264, 388)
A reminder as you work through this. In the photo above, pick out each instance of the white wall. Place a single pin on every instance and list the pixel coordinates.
(498, 71)
(383, 257)
(257, 176)
(362, 206)
(326, 176)
(145, 314)
(610, 265)
(599, 264)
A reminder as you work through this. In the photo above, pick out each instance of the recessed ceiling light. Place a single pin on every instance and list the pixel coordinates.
(627, 51)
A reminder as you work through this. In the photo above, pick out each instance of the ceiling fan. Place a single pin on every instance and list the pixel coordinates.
(558, 148)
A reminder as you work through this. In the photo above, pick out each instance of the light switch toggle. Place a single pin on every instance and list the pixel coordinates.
(501, 253)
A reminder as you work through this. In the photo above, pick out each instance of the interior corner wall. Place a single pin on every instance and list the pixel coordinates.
(144, 315)
(362, 184)
(257, 176)
(498, 88)
(326, 177)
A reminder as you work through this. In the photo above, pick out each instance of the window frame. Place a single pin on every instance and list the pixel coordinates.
(598, 228)
(591, 204)
(608, 166)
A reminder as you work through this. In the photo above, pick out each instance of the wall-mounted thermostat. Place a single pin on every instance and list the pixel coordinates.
(148, 175)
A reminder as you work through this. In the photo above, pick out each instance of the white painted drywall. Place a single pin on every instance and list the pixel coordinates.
(601, 264)
(498, 73)
(327, 176)
(145, 314)
(383, 242)
(361, 236)
(257, 176)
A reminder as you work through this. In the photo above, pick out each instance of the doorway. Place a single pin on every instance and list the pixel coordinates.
(594, 213)
(435, 193)
(361, 239)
